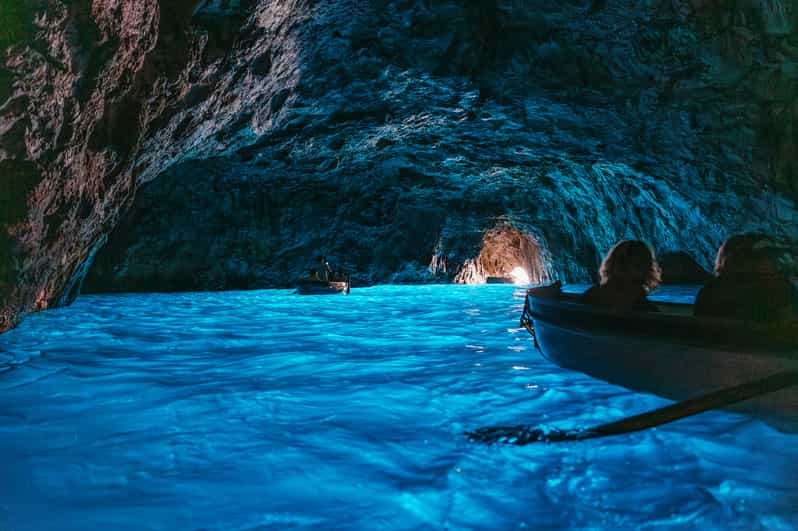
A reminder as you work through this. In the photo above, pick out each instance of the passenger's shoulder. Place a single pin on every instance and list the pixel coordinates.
(591, 293)
(706, 300)
(649, 306)
(712, 287)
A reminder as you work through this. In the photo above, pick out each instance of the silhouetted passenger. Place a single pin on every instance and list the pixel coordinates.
(627, 274)
(326, 272)
(314, 275)
(747, 284)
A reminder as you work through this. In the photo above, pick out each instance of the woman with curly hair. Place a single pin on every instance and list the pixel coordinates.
(627, 274)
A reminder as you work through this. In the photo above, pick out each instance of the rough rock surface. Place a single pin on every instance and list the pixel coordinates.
(678, 267)
(389, 134)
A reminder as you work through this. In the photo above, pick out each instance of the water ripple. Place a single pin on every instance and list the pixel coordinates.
(266, 410)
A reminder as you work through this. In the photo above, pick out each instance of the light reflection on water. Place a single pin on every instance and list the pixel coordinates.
(261, 410)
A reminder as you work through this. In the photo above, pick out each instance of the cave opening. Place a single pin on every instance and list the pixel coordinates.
(507, 255)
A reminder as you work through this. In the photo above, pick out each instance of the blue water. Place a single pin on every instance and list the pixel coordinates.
(266, 410)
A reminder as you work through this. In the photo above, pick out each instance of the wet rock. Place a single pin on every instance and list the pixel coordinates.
(680, 268)
(228, 141)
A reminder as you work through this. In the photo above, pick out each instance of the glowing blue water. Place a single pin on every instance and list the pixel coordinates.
(261, 410)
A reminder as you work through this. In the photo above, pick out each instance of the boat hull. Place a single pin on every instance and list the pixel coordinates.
(322, 288)
(674, 364)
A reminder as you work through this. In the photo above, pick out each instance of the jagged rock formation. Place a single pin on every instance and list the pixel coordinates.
(391, 134)
(678, 267)
(504, 249)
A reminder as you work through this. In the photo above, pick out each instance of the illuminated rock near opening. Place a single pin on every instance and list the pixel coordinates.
(507, 253)
(520, 276)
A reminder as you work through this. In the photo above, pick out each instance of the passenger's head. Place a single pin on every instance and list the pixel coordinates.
(631, 262)
(745, 253)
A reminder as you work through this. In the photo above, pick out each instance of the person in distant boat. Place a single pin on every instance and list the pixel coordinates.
(747, 283)
(627, 274)
(326, 272)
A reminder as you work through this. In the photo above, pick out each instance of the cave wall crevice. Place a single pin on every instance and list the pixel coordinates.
(384, 133)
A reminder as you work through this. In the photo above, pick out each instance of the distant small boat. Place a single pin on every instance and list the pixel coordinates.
(499, 280)
(669, 353)
(321, 287)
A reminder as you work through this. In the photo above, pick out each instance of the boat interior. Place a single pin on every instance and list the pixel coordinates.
(674, 322)
(665, 308)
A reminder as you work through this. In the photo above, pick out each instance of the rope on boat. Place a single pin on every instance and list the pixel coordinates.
(526, 320)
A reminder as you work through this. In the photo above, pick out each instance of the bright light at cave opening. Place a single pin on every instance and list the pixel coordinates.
(520, 276)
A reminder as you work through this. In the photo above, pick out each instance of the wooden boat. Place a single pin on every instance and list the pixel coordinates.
(499, 280)
(320, 287)
(669, 353)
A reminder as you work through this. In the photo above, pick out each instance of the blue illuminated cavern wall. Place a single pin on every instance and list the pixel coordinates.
(388, 132)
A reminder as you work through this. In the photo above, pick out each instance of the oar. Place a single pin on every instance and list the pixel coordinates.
(521, 435)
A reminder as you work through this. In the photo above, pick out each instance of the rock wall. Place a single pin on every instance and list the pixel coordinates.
(390, 134)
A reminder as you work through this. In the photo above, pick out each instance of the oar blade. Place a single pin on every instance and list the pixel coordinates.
(523, 435)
